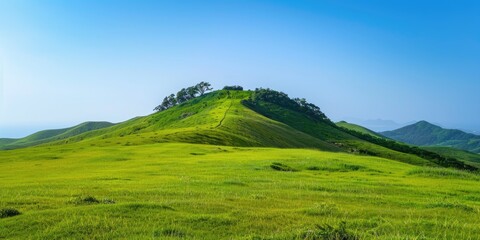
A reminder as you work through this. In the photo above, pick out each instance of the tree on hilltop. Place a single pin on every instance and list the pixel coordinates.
(203, 87)
(183, 95)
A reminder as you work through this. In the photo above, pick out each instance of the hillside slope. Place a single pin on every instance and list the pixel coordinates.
(216, 118)
(426, 134)
(52, 135)
(463, 155)
(358, 128)
(230, 118)
(222, 118)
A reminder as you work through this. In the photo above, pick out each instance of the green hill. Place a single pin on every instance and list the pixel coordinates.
(459, 154)
(217, 118)
(52, 135)
(232, 165)
(426, 134)
(358, 128)
(260, 118)
(231, 118)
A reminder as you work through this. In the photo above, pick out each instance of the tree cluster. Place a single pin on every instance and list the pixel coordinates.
(282, 99)
(234, 88)
(183, 95)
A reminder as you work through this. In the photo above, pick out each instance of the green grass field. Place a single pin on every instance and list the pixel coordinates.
(213, 168)
(190, 191)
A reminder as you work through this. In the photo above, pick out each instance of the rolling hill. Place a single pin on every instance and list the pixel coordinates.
(426, 134)
(51, 135)
(232, 165)
(358, 128)
(234, 118)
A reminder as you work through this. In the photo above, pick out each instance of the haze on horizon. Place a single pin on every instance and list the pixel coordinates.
(66, 62)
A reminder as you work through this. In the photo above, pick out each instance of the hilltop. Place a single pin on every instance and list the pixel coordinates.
(424, 133)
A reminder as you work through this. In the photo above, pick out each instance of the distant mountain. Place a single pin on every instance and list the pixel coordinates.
(377, 125)
(51, 135)
(424, 133)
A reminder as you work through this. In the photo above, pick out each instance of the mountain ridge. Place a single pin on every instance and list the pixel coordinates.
(424, 133)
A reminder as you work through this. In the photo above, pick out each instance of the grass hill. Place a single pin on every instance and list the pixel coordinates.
(459, 154)
(228, 118)
(358, 128)
(52, 135)
(426, 134)
(232, 118)
(232, 165)
(217, 118)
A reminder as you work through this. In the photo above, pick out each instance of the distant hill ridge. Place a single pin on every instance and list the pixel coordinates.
(46, 136)
(424, 133)
(358, 128)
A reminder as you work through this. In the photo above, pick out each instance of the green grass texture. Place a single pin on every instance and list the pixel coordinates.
(195, 191)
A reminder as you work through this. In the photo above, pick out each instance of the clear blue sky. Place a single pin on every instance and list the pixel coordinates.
(65, 62)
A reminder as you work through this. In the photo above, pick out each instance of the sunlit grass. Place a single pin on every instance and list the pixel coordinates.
(190, 191)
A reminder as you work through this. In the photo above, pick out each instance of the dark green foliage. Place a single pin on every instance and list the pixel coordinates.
(184, 95)
(282, 99)
(426, 134)
(337, 168)
(456, 153)
(282, 167)
(233, 88)
(328, 232)
(203, 87)
(400, 147)
(85, 200)
(8, 212)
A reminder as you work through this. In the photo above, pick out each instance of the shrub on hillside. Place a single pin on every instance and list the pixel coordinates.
(8, 212)
(282, 167)
(234, 88)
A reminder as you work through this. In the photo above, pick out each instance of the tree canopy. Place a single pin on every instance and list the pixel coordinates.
(235, 87)
(185, 94)
(296, 104)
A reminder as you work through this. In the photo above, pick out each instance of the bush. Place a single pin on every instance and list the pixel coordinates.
(84, 200)
(87, 200)
(235, 88)
(8, 212)
(282, 167)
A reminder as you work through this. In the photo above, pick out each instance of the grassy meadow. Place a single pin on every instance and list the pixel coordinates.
(194, 191)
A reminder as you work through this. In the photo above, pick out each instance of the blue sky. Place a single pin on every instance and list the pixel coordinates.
(66, 62)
